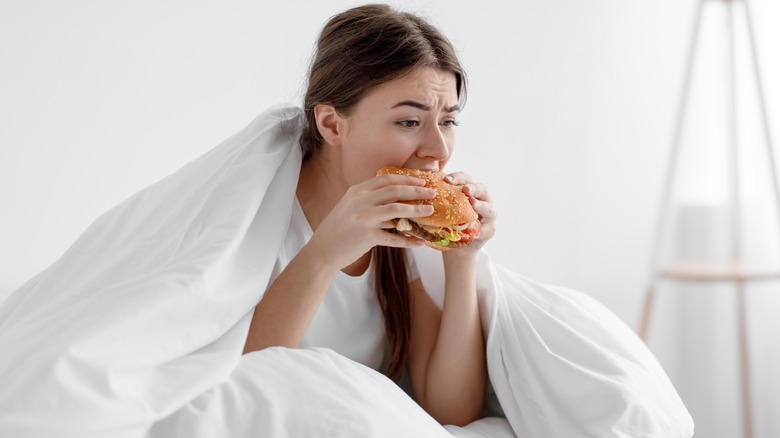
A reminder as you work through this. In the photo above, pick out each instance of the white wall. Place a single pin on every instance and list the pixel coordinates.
(569, 116)
(567, 121)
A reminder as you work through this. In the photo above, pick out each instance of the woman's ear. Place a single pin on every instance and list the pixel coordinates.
(328, 123)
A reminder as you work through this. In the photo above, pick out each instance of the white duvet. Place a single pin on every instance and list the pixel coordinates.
(137, 330)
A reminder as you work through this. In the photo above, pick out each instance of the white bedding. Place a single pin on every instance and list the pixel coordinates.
(138, 330)
(315, 392)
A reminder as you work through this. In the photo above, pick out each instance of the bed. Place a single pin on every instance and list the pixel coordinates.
(137, 330)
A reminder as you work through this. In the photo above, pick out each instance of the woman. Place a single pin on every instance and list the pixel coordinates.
(137, 330)
(385, 89)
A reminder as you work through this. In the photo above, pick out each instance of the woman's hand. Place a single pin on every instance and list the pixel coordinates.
(358, 221)
(483, 204)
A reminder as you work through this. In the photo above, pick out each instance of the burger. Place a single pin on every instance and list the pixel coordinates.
(453, 224)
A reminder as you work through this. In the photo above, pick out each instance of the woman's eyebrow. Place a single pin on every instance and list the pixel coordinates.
(423, 106)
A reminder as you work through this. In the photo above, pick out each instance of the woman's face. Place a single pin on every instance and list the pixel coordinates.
(407, 122)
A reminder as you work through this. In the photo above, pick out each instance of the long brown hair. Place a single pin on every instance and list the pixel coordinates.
(358, 50)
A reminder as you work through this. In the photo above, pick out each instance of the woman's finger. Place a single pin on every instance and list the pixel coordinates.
(484, 209)
(398, 210)
(387, 225)
(470, 186)
(458, 178)
(395, 193)
(476, 190)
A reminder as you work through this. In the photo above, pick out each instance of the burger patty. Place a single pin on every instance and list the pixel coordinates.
(418, 231)
(422, 233)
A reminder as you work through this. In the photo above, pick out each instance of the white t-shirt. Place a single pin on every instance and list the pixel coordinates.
(349, 320)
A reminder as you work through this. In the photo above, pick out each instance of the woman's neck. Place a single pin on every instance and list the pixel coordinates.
(320, 188)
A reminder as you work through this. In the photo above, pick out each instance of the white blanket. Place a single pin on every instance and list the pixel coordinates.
(137, 330)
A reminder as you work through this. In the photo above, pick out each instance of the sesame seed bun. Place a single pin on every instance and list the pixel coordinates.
(451, 206)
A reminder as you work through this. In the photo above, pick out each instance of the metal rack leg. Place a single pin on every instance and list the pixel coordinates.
(744, 362)
(647, 308)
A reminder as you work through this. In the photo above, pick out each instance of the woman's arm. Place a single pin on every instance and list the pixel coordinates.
(447, 362)
(447, 353)
(349, 231)
(282, 317)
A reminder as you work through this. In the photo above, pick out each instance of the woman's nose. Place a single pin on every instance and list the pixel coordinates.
(434, 144)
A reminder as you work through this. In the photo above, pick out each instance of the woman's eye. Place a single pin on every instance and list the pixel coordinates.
(409, 123)
(449, 123)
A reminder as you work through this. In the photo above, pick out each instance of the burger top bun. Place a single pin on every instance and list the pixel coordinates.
(450, 206)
